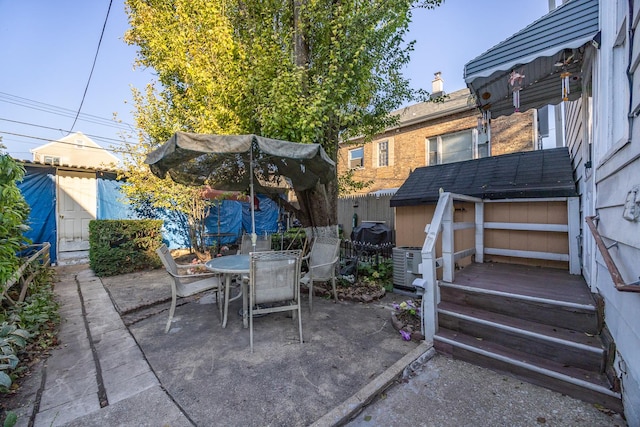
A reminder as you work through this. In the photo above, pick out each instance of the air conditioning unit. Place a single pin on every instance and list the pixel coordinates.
(406, 262)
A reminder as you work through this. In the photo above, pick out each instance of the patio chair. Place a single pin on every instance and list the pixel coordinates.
(185, 285)
(274, 285)
(322, 262)
(263, 243)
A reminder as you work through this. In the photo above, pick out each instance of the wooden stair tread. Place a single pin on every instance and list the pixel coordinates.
(530, 281)
(544, 330)
(595, 378)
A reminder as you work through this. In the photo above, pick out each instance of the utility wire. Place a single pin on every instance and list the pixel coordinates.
(95, 58)
(104, 138)
(63, 142)
(61, 111)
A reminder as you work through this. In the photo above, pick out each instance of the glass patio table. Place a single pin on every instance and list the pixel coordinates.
(229, 266)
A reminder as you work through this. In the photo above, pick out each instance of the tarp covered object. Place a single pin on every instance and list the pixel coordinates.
(234, 217)
(222, 161)
(266, 218)
(371, 232)
(39, 190)
(225, 217)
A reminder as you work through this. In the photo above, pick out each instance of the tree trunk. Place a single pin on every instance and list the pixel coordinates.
(318, 207)
(300, 46)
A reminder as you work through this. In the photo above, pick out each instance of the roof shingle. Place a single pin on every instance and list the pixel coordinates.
(530, 174)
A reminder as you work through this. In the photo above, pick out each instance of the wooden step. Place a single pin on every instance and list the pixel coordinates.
(589, 386)
(563, 346)
(577, 316)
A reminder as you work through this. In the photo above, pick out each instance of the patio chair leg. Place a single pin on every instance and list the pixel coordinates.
(172, 309)
(219, 301)
(299, 321)
(251, 326)
(310, 296)
(335, 293)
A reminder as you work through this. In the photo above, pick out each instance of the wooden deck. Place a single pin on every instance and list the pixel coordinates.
(537, 282)
(539, 324)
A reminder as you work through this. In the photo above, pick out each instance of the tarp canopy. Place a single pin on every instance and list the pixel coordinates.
(541, 52)
(39, 190)
(222, 162)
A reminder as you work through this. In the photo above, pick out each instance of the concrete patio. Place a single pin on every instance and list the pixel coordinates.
(116, 366)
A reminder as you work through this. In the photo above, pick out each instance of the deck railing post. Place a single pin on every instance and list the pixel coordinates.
(573, 215)
(479, 232)
(429, 309)
(448, 249)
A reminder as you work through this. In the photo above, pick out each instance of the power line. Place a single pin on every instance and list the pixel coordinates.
(104, 138)
(61, 111)
(64, 142)
(95, 58)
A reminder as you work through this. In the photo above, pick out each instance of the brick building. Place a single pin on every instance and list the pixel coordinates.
(431, 133)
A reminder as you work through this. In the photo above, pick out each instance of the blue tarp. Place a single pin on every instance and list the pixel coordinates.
(39, 190)
(228, 217)
(266, 218)
(225, 217)
(111, 203)
(234, 217)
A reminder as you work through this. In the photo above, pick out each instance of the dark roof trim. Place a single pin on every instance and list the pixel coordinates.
(531, 174)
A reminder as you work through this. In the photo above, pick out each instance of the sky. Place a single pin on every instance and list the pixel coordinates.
(49, 85)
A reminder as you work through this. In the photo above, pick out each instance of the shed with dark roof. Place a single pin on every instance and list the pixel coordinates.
(531, 174)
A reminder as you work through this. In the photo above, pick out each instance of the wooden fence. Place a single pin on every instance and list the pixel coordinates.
(365, 207)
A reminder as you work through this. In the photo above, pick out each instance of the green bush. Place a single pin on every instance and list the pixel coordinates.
(29, 324)
(12, 340)
(381, 273)
(292, 239)
(123, 246)
(14, 212)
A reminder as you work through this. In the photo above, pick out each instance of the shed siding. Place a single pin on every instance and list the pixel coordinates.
(411, 222)
(539, 241)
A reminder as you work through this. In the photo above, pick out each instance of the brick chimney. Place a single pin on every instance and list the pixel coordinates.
(437, 85)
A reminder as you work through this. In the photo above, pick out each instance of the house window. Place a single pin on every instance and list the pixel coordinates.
(356, 158)
(52, 160)
(620, 84)
(383, 153)
(456, 147)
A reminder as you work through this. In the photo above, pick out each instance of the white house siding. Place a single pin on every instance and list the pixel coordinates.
(617, 170)
(574, 138)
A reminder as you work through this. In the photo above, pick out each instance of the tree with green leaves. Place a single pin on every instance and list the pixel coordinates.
(151, 195)
(310, 71)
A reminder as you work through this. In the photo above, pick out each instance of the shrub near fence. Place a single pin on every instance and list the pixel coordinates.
(123, 246)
